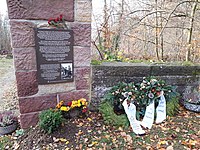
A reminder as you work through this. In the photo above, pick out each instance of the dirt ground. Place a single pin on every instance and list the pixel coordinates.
(181, 132)
(8, 90)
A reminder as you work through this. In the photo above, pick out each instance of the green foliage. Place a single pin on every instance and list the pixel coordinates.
(187, 63)
(19, 132)
(115, 93)
(142, 94)
(173, 106)
(111, 118)
(50, 120)
(96, 62)
(5, 141)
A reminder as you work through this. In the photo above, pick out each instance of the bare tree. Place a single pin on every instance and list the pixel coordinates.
(5, 46)
(189, 38)
(152, 29)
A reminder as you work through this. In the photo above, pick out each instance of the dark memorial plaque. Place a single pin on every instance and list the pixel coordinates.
(54, 52)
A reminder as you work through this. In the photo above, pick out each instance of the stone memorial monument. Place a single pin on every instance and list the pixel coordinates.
(48, 71)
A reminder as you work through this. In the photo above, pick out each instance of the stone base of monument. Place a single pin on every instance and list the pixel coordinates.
(192, 106)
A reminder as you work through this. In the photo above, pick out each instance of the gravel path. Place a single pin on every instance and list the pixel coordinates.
(8, 90)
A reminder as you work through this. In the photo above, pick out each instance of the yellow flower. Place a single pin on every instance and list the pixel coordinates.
(83, 101)
(65, 108)
(59, 104)
(74, 104)
(78, 103)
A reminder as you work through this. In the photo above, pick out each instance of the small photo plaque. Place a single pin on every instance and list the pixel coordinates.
(54, 53)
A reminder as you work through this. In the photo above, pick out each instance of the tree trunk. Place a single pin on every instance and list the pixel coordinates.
(189, 38)
(156, 32)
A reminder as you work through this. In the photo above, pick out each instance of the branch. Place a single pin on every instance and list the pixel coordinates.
(153, 12)
(173, 12)
(138, 11)
(139, 38)
(93, 42)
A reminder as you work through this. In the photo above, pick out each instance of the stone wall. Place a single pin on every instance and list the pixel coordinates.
(109, 74)
(24, 16)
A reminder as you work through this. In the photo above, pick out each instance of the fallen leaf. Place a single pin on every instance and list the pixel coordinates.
(162, 142)
(93, 143)
(177, 129)
(170, 148)
(63, 140)
(192, 142)
(55, 140)
(67, 142)
(80, 132)
(129, 139)
(107, 136)
(80, 124)
(86, 140)
(120, 129)
(89, 119)
(123, 134)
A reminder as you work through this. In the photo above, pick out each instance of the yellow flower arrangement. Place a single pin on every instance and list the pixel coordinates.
(75, 103)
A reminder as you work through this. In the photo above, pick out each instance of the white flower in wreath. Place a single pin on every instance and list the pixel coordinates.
(125, 94)
(150, 95)
(153, 81)
(130, 93)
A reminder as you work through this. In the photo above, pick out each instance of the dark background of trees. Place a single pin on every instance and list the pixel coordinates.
(5, 45)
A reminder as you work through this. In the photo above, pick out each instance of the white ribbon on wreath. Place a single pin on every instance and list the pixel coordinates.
(148, 117)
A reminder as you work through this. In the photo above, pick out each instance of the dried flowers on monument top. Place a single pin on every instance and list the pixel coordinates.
(58, 22)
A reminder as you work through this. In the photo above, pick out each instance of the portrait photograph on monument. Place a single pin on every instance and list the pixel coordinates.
(66, 71)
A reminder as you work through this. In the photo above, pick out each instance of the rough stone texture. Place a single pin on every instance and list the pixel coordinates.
(83, 72)
(181, 80)
(34, 104)
(82, 56)
(82, 34)
(24, 58)
(105, 76)
(82, 78)
(43, 10)
(24, 16)
(29, 119)
(123, 71)
(74, 95)
(83, 11)
(22, 33)
(27, 84)
(82, 84)
(173, 70)
(56, 88)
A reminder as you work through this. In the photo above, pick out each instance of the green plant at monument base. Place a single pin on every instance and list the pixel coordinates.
(111, 118)
(50, 120)
(173, 106)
